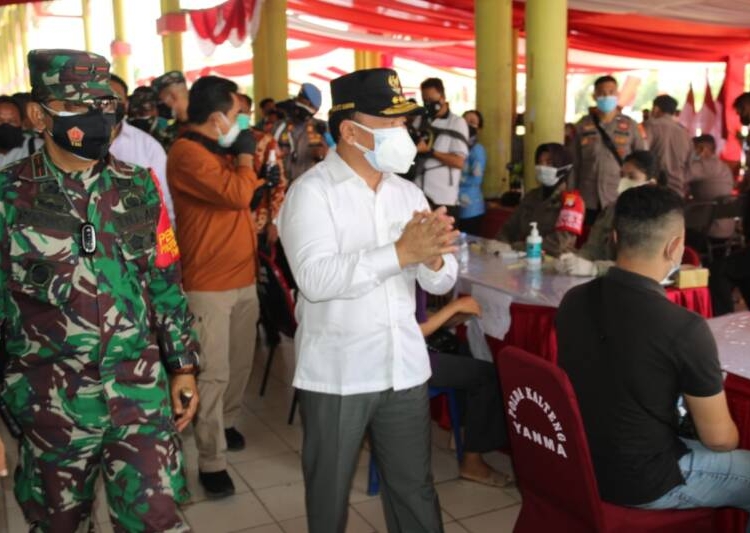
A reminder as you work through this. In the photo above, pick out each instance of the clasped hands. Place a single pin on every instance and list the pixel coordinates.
(426, 237)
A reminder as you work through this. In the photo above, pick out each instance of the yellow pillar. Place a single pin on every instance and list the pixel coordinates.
(23, 40)
(493, 23)
(88, 39)
(120, 46)
(270, 62)
(364, 59)
(171, 42)
(4, 66)
(546, 67)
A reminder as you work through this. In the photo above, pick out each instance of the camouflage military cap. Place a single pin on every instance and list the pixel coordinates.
(68, 75)
(143, 100)
(167, 79)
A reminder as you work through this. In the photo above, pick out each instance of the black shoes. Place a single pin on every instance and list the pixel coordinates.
(217, 484)
(235, 440)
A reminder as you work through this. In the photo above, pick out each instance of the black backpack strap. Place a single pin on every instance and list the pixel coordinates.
(606, 139)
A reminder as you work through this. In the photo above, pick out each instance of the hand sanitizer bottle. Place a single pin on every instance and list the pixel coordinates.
(534, 249)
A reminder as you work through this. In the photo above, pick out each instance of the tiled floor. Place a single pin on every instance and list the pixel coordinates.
(269, 490)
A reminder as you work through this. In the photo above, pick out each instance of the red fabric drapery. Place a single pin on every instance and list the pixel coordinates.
(216, 24)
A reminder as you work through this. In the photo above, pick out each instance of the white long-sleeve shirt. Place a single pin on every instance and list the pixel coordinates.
(139, 148)
(357, 331)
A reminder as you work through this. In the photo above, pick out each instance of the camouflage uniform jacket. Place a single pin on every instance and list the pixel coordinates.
(546, 213)
(600, 244)
(88, 337)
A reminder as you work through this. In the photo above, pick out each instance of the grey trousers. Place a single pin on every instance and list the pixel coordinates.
(398, 423)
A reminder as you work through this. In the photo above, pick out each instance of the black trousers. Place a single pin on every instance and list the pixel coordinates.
(484, 420)
(472, 225)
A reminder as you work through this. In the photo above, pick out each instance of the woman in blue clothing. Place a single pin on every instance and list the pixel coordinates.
(470, 198)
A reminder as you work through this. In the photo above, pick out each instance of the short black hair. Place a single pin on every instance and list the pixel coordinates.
(248, 100)
(266, 101)
(433, 83)
(643, 161)
(643, 216)
(741, 101)
(335, 120)
(559, 156)
(604, 79)
(117, 79)
(706, 139)
(5, 99)
(666, 103)
(478, 114)
(208, 95)
(22, 99)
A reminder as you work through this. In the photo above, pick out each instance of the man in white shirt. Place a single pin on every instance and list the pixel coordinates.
(357, 238)
(443, 149)
(135, 146)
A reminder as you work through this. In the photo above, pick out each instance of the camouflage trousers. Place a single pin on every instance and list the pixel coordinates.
(141, 467)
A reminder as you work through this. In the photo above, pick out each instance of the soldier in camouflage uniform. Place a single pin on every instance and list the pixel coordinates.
(143, 114)
(97, 339)
(171, 90)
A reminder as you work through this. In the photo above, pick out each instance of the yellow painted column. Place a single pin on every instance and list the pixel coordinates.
(171, 42)
(364, 59)
(493, 23)
(270, 60)
(22, 36)
(546, 68)
(120, 46)
(4, 65)
(88, 39)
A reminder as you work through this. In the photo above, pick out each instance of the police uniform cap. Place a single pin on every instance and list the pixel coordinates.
(375, 91)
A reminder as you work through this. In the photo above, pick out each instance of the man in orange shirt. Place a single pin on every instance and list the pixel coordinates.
(212, 179)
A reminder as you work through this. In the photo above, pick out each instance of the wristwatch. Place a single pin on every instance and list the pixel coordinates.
(185, 364)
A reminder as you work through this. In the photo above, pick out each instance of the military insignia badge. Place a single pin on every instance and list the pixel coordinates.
(75, 136)
(394, 83)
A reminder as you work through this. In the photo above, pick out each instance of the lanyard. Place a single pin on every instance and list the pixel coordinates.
(87, 230)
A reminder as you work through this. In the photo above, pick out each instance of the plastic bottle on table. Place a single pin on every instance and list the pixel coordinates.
(534, 249)
(463, 253)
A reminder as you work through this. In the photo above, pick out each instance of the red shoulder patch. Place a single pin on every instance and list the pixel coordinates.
(167, 251)
(572, 213)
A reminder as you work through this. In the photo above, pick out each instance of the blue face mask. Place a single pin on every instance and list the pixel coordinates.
(606, 104)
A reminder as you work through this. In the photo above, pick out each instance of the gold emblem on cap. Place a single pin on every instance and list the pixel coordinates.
(395, 84)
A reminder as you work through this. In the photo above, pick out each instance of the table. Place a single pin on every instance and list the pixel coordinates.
(732, 334)
(505, 288)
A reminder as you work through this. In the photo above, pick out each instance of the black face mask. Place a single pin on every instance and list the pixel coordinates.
(143, 124)
(433, 108)
(10, 136)
(87, 135)
(164, 111)
(119, 112)
(301, 114)
(473, 131)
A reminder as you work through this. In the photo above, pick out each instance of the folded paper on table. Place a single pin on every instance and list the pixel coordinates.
(495, 306)
(477, 341)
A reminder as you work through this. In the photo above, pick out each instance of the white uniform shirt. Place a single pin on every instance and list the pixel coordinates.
(20, 152)
(139, 148)
(357, 331)
(440, 182)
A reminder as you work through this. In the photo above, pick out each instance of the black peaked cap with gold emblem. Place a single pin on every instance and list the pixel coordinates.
(375, 91)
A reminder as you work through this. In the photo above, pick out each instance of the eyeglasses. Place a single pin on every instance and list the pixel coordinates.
(80, 107)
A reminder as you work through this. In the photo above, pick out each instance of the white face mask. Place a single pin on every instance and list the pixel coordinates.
(674, 268)
(627, 183)
(547, 176)
(394, 150)
(227, 139)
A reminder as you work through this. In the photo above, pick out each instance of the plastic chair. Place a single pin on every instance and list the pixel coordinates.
(373, 477)
(553, 465)
(276, 307)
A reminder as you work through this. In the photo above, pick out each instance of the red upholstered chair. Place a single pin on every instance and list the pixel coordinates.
(552, 462)
(691, 257)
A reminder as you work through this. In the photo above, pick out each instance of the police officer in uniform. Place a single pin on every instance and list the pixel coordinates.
(670, 142)
(603, 138)
(97, 347)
